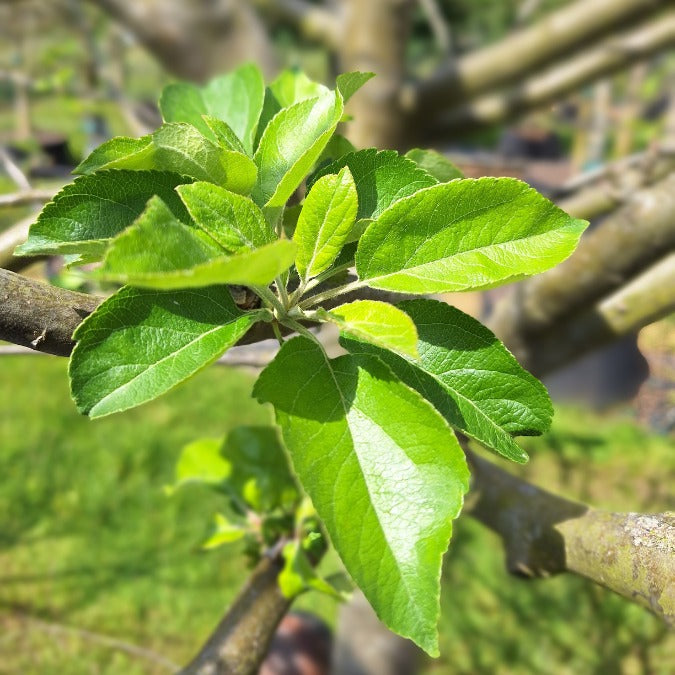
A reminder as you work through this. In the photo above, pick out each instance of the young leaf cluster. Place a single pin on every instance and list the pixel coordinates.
(250, 185)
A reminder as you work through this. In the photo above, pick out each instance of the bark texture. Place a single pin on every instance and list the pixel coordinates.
(241, 640)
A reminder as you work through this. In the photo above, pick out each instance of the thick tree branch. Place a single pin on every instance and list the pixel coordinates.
(643, 300)
(528, 49)
(240, 642)
(631, 554)
(613, 54)
(628, 241)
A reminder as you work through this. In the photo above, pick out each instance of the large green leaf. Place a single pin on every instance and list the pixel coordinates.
(326, 219)
(290, 145)
(139, 343)
(235, 98)
(235, 222)
(439, 166)
(471, 378)
(381, 178)
(376, 322)
(85, 215)
(466, 234)
(383, 470)
(159, 251)
(179, 148)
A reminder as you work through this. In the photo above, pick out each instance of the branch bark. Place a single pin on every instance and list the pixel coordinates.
(630, 553)
(613, 54)
(241, 640)
(526, 50)
(627, 242)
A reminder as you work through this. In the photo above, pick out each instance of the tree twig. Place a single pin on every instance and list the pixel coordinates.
(25, 198)
(240, 642)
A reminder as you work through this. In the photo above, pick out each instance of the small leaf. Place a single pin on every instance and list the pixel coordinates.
(350, 83)
(337, 147)
(139, 344)
(435, 164)
(225, 532)
(381, 178)
(376, 322)
(235, 222)
(85, 215)
(384, 471)
(284, 155)
(223, 134)
(292, 86)
(179, 148)
(201, 462)
(258, 470)
(470, 377)
(327, 217)
(235, 98)
(466, 234)
(298, 575)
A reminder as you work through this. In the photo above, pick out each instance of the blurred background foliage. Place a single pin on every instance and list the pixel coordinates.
(95, 559)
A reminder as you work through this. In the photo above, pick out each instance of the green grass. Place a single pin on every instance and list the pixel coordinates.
(89, 540)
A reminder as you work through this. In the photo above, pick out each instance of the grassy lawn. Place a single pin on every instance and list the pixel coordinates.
(88, 539)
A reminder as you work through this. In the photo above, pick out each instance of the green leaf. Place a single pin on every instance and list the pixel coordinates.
(381, 178)
(326, 219)
(258, 471)
(337, 147)
(376, 322)
(235, 222)
(439, 166)
(139, 344)
(384, 471)
(290, 145)
(350, 83)
(466, 234)
(470, 377)
(298, 575)
(292, 86)
(223, 134)
(85, 215)
(158, 251)
(201, 462)
(225, 532)
(235, 98)
(179, 148)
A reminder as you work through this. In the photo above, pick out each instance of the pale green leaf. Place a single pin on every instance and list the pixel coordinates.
(235, 98)
(298, 575)
(139, 344)
(201, 462)
(290, 145)
(292, 86)
(85, 215)
(235, 222)
(384, 471)
(179, 148)
(376, 322)
(158, 251)
(439, 166)
(466, 234)
(326, 219)
(225, 532)
(471, 378)
(350, 83)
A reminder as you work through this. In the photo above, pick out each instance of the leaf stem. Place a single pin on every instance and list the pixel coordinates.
(283, 295)
(268, 296)
(331, 293)
(277, 332)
